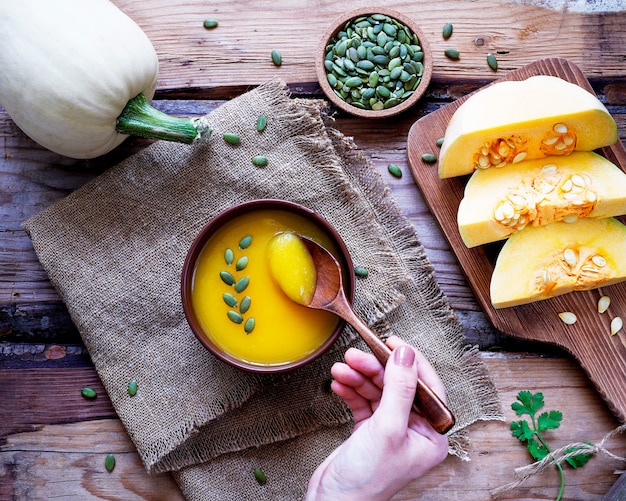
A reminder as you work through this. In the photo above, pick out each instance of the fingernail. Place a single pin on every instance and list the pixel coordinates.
(404, 356)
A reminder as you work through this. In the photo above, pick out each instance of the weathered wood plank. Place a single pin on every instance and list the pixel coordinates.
(67, 460)
(238, 50)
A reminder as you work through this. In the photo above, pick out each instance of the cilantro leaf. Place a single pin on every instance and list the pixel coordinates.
(549, 420)
(578, 460)
(528, 403)
(521, 430)
(537, 450)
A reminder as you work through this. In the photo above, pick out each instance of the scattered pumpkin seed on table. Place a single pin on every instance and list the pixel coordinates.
(439, 142)
(492, 62)
(394, 170)
(452, 54)
(374, 62)
(210, 23)
(447, 31)
(109, 462)
(88, 393)
(277, 58)
(429, 158)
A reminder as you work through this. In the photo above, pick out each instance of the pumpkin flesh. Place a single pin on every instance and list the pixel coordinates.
(540, 262)
(512, 121)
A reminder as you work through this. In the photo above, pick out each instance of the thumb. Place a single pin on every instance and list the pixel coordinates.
(399, 385)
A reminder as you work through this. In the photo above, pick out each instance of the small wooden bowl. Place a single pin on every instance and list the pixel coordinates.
(337, 26)
(190, 265)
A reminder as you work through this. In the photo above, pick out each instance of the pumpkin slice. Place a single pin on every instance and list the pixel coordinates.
(511, 121)
(499, 202)
(540, 262)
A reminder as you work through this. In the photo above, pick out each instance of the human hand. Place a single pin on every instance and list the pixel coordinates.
(390, 445)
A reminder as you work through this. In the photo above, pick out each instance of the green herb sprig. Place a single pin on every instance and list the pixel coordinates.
(531, 434)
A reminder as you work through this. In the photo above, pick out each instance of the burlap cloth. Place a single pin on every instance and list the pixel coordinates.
(114, 249)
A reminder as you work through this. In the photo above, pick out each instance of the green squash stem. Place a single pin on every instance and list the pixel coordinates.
(139, 118)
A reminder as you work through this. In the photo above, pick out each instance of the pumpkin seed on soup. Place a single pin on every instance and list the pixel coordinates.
(245, 304)
(229, 299)
(234, 316)
(227, 277)
(249, 325)
(229, 256)
(245, 242)
(242, 284)
(241, 263)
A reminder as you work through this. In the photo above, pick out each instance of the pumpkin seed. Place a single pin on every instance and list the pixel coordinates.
(277, 59)
(452, 54)
(232, 138)
(234, 316)
(248, 327)
(260, 476)
(109, 462)
(229, 299)
(227, 277)
(241, 263)
(616, 325)
(229, 256)
(245, 242)
(447, 31)
(242, 284)
(439, 141)
(88, 393)
(245, 305)
(360, 271)
(132, 388)
(568, 317)
(261, 123)
(260, 161)
(603, 304)
(394, 170)
(429, 158)
(492, 62)
(210, 23)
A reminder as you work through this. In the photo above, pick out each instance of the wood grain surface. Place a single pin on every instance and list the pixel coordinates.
(603, 356)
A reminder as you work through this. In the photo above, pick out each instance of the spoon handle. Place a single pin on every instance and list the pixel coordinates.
(426, 401)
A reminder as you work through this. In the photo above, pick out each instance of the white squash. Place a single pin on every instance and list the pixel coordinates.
(69, 68)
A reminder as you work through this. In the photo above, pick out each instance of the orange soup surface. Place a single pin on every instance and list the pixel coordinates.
(240, 305)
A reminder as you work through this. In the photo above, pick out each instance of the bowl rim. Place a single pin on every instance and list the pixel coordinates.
(197, 246)
(336, 26)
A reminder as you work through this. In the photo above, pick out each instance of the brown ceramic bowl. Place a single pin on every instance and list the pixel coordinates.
(338, 25)
(326, 232)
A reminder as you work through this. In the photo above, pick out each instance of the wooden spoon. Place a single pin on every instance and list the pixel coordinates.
(329, 295)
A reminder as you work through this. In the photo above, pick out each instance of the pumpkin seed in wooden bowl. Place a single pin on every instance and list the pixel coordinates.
(374, 62)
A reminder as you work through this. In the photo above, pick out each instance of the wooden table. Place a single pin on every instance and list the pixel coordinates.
(52, 443)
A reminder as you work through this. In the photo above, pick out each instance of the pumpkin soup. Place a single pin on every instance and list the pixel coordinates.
(241, 306)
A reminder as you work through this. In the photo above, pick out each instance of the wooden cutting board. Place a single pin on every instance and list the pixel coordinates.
(601, 355)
